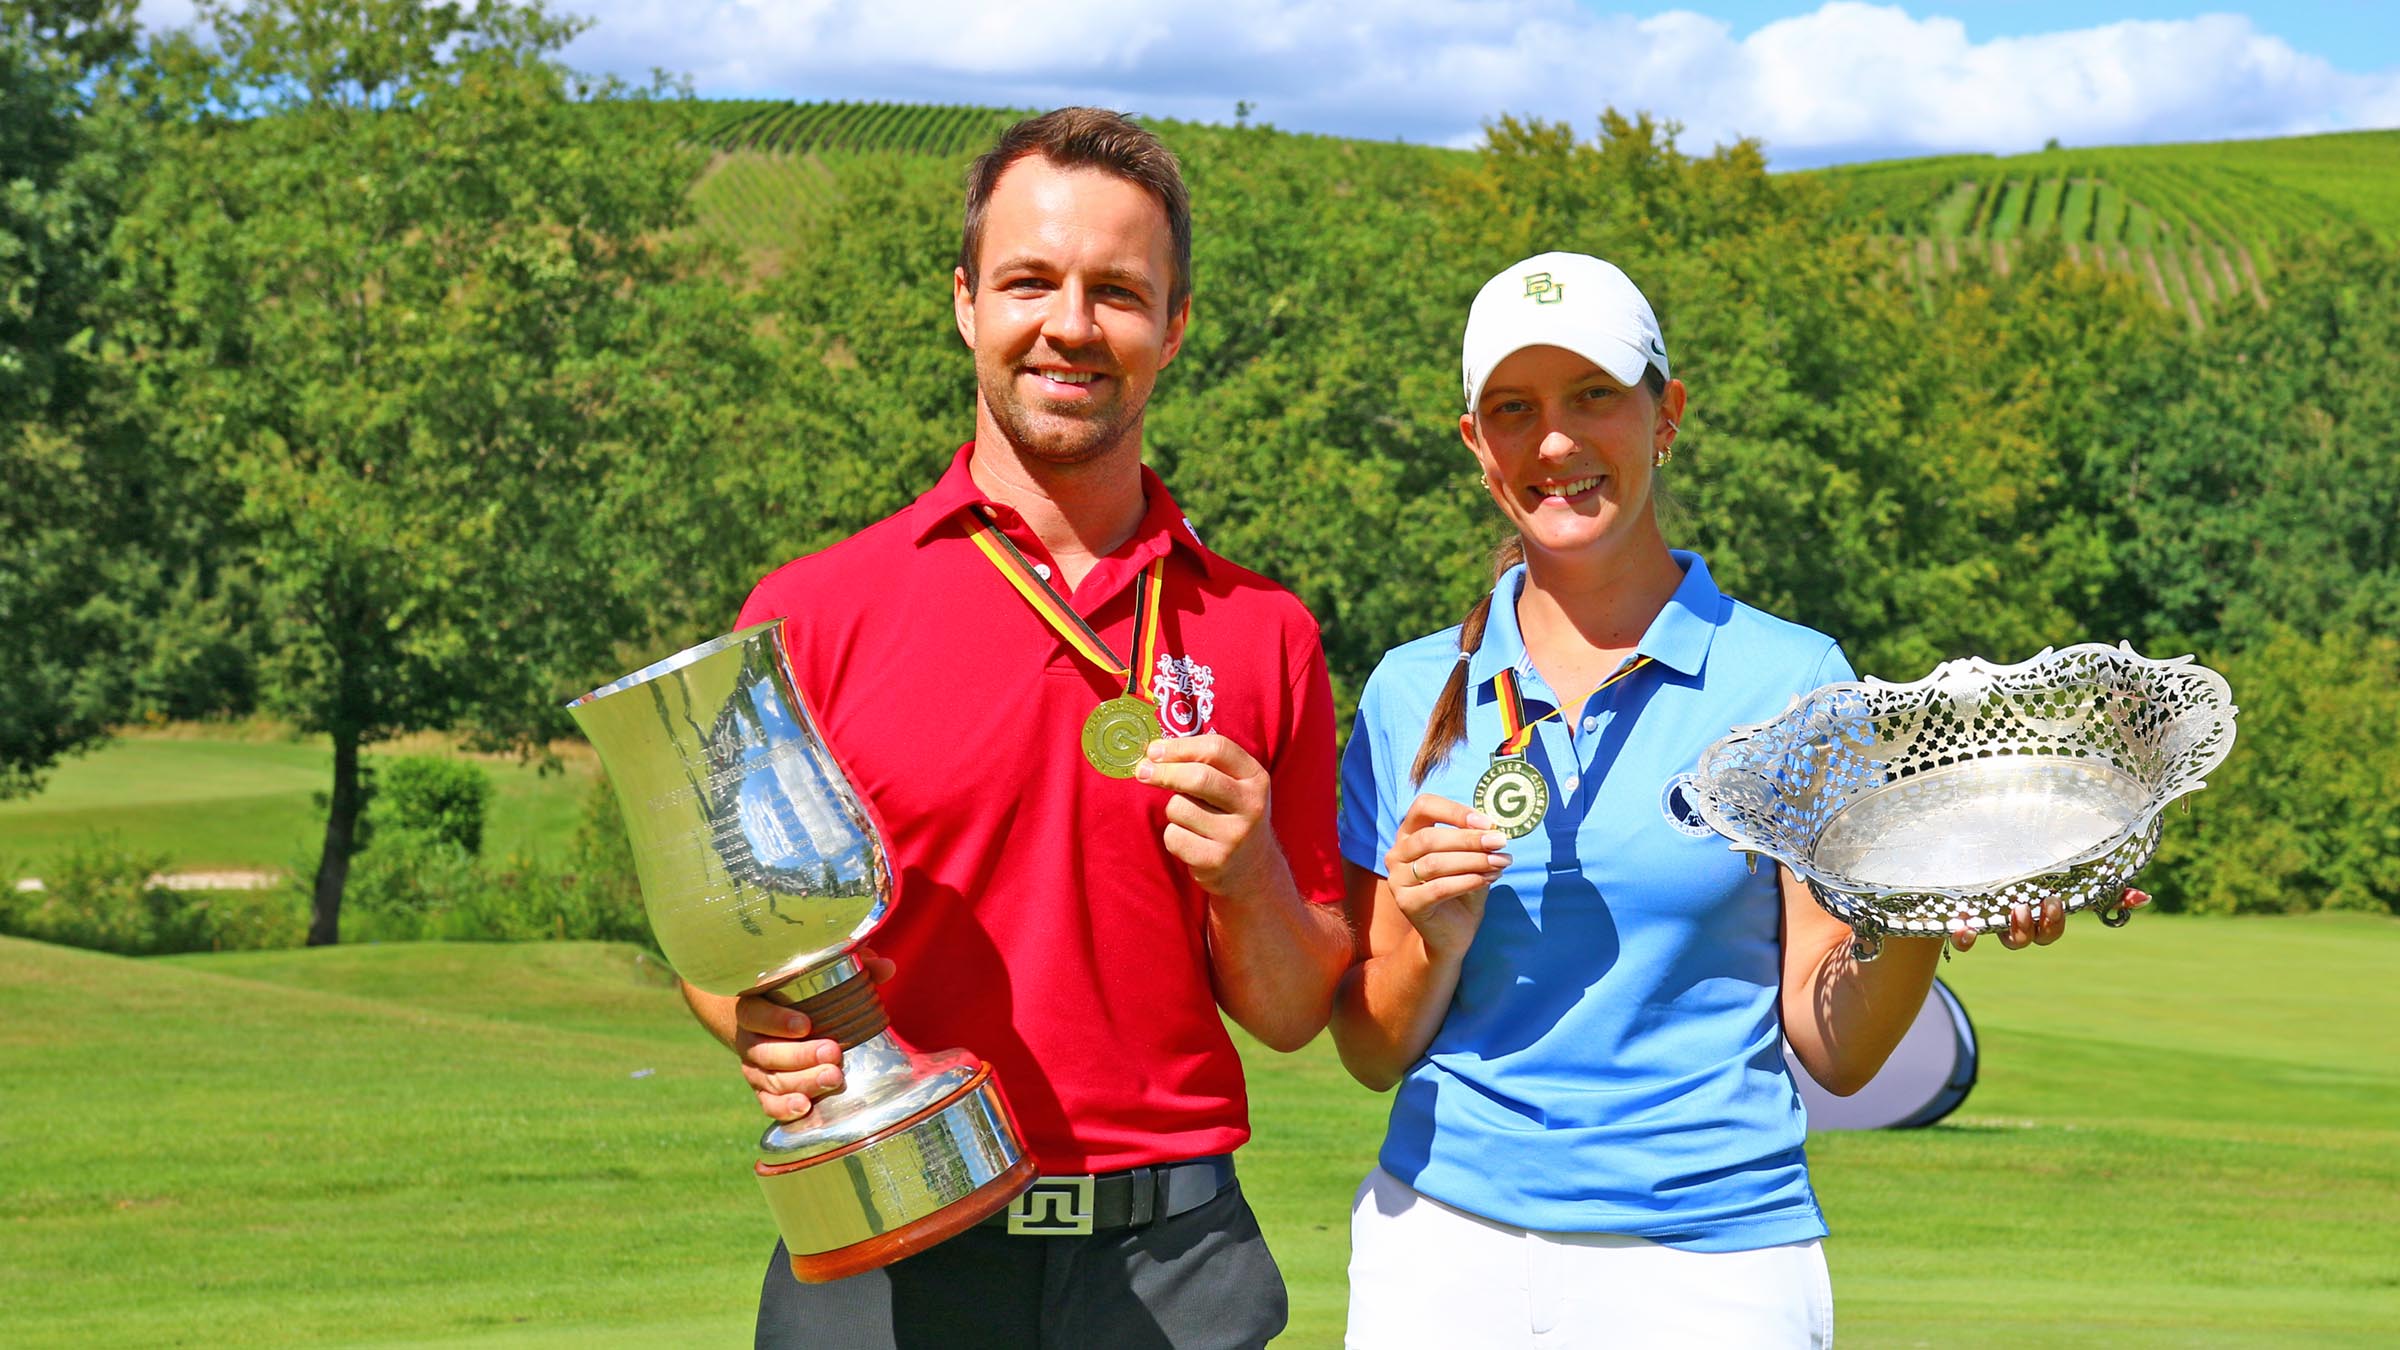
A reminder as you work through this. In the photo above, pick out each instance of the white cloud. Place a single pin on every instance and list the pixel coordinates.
(1849, 80)
(164, 13)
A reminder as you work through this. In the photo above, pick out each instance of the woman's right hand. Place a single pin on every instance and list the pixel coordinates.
(1440, 868)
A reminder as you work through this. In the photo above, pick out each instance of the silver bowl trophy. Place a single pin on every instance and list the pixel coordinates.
(762, 872)
(1976, 788)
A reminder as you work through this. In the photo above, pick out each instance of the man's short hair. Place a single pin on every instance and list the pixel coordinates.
(1085, 138)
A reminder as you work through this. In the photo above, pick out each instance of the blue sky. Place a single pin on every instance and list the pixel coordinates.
(1823, 83)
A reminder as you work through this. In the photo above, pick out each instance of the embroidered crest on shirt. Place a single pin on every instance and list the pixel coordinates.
(1676, 805)
(1185, 692)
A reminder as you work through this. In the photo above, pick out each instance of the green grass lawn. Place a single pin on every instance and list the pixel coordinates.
(211, 799)
(2187, 1133)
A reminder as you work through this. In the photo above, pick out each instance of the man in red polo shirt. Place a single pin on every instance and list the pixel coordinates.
(1077, 929)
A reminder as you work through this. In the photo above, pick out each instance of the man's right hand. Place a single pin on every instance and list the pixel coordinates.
(786, 1068)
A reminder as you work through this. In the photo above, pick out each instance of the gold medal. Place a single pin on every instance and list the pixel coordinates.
(1511, 794)
(1117, 733)
(1120, 730)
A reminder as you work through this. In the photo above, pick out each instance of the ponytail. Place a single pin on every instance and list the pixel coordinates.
(1448, 724)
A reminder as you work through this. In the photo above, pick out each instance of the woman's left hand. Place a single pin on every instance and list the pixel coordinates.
(2035, 926)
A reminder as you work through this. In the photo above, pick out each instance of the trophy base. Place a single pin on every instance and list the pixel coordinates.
(901, 1189)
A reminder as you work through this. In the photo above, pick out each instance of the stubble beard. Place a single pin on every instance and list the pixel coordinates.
(1052, 437)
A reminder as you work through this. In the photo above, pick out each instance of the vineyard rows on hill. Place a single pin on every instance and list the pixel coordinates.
(774, 165)
(2197, 225)
(2191, 278)
(911, 128)
(2169, 225)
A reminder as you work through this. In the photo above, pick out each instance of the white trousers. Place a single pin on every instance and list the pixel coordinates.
(1425, 1274)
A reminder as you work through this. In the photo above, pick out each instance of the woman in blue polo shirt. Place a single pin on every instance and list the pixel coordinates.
(1594, 1135)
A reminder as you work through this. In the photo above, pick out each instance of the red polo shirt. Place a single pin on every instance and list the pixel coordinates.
(1040, 921)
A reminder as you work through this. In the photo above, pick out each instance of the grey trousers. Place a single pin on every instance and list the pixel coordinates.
(1203, 1280)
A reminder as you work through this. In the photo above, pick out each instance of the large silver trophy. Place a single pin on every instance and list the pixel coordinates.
(1974, 789)
(762, 872)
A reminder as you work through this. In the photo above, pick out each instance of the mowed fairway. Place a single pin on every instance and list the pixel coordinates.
(2187, 1133)
(217, 798)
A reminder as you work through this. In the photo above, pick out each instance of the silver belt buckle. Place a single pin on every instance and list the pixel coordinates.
(1053, 1207)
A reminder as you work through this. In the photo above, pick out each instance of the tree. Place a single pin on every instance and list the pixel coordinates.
(393, 285)
(2301, 816)
(2269, 486)
(64, 148)
(876, 387)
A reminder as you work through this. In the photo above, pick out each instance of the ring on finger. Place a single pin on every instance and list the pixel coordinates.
(1413, 872)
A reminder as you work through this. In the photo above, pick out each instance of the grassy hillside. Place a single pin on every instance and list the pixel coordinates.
(910, 128)
(2183, 1136)
(773, 164)
(2198, 224)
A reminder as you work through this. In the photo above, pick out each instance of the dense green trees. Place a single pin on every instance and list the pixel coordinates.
(358, 361)
(2302, 816)
(2268, 488)
(65, 145)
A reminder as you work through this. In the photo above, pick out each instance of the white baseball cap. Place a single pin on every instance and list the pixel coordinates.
(1570, 300)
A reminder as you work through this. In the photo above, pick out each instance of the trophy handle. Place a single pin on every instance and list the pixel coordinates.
(914, 1148)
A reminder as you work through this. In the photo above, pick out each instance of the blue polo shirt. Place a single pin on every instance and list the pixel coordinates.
(1612, 1061)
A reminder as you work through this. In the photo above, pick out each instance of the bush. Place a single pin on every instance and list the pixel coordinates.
(431, 795)
(98, 895)
(406, 882)
(241, 920)
(421, 881)
(2301, 816)
(602, 886)
(520, 903)
(414, 885)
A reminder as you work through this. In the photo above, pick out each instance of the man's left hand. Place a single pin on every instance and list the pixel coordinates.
(1217, 820)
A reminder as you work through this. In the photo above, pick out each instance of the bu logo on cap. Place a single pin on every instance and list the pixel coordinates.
(1541, 290)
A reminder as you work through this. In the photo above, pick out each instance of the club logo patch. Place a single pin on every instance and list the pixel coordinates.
(1677, 806)
(1185, 692)
(1541, 290)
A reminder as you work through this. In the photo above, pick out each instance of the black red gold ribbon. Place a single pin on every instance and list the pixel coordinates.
(1047, 602)
(1517, 729)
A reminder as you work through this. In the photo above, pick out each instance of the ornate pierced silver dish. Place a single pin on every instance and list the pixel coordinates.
(1979, 787)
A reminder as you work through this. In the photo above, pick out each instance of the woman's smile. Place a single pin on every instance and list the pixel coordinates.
(1568, 492)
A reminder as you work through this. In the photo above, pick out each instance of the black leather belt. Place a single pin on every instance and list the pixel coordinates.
(1072, 1206)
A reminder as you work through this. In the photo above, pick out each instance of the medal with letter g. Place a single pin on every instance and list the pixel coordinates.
(1512, 795)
